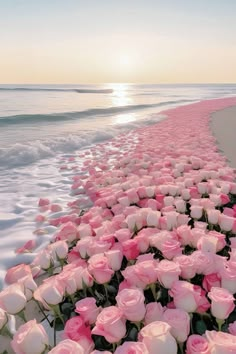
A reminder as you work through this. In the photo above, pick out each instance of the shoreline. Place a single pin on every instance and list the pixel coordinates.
(223, 125)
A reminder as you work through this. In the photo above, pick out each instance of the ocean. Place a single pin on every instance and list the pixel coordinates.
(43, 125)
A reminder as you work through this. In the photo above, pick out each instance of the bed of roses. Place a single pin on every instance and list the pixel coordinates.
(150, 267)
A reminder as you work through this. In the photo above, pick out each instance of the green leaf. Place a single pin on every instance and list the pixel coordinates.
(200, 327)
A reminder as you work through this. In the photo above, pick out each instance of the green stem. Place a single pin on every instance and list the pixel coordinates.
(191, 323)
(220, 323)
(181, 347)
(44, 314)
(153, 290)
(21, 314)
(57, 313)
(5, 332)
(54, 333)
(106, 293)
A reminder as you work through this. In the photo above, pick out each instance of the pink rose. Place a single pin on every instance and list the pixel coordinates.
(82, 277)
(131, 302)
(179, 320)
(132, 348)
(30, 335)
(67, 346)
(50, 293)
(154, 312)
(222, 303)
(226, 222)
(100, 269)
(87, 309)
(184, 296)
(184, 234)
(15, 273)
(187, 266)
(232, 328)
(157, 338)
(213, 216)
(220, 342)
(59, 250)
(228, 277)
(170, 249)
(211, 280)
(130, 249)
(75, 329)
(197, 345)
(115, 258)
(168, 272)
(12, 299)
(196, 211)
(110, 324)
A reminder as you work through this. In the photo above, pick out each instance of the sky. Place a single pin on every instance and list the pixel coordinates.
(101, 41)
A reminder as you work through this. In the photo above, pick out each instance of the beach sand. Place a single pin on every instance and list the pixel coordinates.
(223, 125)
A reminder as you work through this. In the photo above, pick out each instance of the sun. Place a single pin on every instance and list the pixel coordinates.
(125, 60)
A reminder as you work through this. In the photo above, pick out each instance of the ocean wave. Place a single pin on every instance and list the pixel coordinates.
(51, 89)
(65, 116)
(21, 154)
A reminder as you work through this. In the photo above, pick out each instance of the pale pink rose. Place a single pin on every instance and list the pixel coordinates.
(196, 211)
(197, 344)
(168, 272)
(100, 269)
(232, 328)
(67, 346)
(224, 198)
(123, 235)
(30, 336)
(157, 338)
(187, 266)
(28, 285)
(87, 309)
(213, 216)
(159, 238)
(83, 245)
(168, 201)
(184, 234)
(182, 219)
(203, 188)
(134, 221)
(154, 312)
(220, 342)
(207, 244)
(222, 302)
(3, 318)
(179, 320)
(184, 296)
(15, 273)
(13, 299)
(211, 280)
(180, 205)
(50, 293)
(68, 281)
(170, 249)
(115, 258)
(171, 219)
(59, 250)
(205, 263)
(132, 348)
(82, 277)
(75, 329)
(43, 259)
(67, 232)
(228, 277)
(153, 218)
(84, 230)
(132, 279)
(221, 242)
(131, 302)
(226, 222)
(110, 324)
(145, 272)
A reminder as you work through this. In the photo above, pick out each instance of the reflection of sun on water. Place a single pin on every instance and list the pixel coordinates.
(124, 118)
(120, 96)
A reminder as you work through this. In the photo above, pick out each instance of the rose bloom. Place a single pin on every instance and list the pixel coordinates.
(221, 343)
(228, 277)
(232, 328)
(154, 312)
(131, 302)
(12, 299)
(87, 309)
(110, 324)
(157, 338)
(184, 234)
(50, 293)
(146, 272)
(132, 348)
(67, 346)
(168, 272)
(3, 318)
(222, 303)
(211, 280)
(170, 249)
(100, 269)
(184, 296)
(187, 266)
(30, 336)
(15, 273)
(75, 329)
(59, 250)
(197, 344)
(179, 320)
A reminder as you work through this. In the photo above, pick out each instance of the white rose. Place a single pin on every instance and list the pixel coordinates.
(12, 299)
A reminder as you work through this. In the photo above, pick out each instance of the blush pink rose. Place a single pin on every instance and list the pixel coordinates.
(220, 342)
(197, 344)
(67, 346)
(232, 328)
(184, 234)
(30, 335)
(184, 296)
(222, 302)
(179, 320)
(130, 249)
(211, 280)
(157, 338)
(168, 272)
(75, 329)
(15, 273)
(12, 299)
(131, 302)
(187, 266)
(154, 312)
(110, 324)
(87, 309)
(170, 249)
(100, 269)
(132, 348)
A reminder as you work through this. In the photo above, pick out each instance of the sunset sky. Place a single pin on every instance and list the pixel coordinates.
(98, 41)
